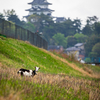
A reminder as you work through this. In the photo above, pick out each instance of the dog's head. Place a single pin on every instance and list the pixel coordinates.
(36, 68)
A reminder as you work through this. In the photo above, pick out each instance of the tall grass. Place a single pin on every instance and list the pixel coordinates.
(46, 87)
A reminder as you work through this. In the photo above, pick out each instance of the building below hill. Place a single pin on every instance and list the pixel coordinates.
(78, 51)
(55, 48)
(60, 19)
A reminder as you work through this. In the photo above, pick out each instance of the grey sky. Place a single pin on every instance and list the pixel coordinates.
(63, 8)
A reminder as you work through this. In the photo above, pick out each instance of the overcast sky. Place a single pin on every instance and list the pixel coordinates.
(63, 8)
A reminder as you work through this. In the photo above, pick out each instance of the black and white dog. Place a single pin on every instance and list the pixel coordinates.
(25, 72)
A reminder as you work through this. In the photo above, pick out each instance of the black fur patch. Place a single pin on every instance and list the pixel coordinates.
(33, 73)
(23, 70)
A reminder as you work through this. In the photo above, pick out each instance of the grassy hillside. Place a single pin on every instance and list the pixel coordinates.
(18, 54)
(58, 79)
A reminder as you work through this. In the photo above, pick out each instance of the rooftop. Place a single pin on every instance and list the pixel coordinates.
(39, 2)
(78, 44)
(60, 19)
(54, 47)
(73, 49)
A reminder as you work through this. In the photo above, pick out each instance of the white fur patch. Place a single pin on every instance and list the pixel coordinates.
(27, 73)
(37, 68)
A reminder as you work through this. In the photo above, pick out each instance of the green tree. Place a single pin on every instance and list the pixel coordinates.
(9, 12)
(81, 38)
(40, 21)
(91, 41)
(71, 41)
(91, 20)
(93, 54)
(97, 28)
(48, 33)
(77, 25)
(60, 39)
(87, 30)
(10, 15)
(2, 16)
(96, 49)
(15, 19)
(29, 26)
(68, 28)
(88, 60)
(34, 19)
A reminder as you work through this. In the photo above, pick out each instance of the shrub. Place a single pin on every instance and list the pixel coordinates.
(88, 60)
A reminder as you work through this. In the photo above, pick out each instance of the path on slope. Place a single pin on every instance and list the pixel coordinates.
(85, 73)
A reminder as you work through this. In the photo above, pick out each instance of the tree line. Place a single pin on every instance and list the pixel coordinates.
(66, 34)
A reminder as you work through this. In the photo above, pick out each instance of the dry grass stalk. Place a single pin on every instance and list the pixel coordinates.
(27, 42)
(12, 96)
(88, 70)
(61, 80)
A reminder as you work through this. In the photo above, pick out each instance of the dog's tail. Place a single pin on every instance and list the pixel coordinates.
(18, 72)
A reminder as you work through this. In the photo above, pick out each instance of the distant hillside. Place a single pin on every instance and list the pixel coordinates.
(58, 78)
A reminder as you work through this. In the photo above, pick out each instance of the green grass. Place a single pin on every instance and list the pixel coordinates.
(15, 53)
(32, 91)
(56, 79)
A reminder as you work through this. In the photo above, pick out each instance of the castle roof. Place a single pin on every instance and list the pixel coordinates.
(39, 2)
(38, 9)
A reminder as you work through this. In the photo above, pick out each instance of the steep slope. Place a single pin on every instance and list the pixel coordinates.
(58, 79)
(17, 54)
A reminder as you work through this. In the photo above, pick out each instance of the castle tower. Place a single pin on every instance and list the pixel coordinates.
(39, 7)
